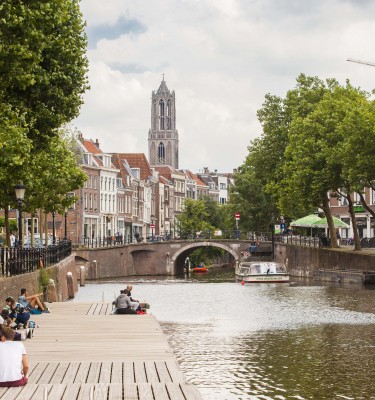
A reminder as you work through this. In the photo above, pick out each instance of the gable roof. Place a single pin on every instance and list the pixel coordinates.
(134, 160)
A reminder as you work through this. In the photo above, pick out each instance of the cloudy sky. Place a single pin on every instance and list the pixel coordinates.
(220, 57)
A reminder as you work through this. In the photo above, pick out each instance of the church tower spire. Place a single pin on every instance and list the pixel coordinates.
(163, 135)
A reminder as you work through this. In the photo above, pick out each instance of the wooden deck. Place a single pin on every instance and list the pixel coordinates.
(80, 351)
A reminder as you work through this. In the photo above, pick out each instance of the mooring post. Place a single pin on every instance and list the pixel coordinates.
(69, 278)
(82, 275)
(95, 269)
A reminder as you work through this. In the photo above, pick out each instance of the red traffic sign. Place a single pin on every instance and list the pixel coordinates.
(152, 226)
(237, 215)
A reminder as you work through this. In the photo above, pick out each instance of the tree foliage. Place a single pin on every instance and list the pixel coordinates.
(316, 142)
(43, 65)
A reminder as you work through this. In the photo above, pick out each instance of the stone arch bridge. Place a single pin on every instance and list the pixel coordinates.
(156, 258)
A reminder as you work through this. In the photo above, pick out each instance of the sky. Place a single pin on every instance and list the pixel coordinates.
(221, 57)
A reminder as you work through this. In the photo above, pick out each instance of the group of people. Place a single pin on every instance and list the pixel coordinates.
(15, 326)
(125, 304)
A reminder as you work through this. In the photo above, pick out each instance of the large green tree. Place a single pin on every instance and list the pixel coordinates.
(43, 65)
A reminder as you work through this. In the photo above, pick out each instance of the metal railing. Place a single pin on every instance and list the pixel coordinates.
(19, 260)
(119, 240)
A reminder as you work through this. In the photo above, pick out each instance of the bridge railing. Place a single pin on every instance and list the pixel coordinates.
(21, 260)
(119, 240)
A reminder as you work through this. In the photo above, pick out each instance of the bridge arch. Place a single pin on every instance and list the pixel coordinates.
(189, 248)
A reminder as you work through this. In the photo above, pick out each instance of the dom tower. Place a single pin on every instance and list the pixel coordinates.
(163, 135)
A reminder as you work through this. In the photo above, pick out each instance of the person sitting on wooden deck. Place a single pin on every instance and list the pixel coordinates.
(123, 303)
(17, 312)
(13, 360)
(31, 302)
(134, 303)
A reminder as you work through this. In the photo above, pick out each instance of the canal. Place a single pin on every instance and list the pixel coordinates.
(261, 341)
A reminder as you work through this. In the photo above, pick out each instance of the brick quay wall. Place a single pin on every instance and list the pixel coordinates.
(303, 261)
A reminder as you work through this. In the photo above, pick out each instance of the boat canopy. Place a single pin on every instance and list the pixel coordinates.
(261, 268)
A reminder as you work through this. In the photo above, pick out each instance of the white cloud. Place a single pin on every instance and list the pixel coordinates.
(221, 57)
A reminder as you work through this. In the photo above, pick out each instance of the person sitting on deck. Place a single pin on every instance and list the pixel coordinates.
(13, 360)
(134, 303)
(31, 302)
(123, 303)
(18, 313)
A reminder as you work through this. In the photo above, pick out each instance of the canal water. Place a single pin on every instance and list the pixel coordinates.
(261, 341)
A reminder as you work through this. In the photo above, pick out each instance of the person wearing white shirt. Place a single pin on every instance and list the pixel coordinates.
(14, 364)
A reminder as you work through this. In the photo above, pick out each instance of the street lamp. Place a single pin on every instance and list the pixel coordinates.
(65, 222)
(53, 228)
(20, 194)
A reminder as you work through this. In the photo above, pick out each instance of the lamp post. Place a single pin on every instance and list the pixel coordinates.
(53, 228)
(20, 194)
(65, 223)
(152, 226)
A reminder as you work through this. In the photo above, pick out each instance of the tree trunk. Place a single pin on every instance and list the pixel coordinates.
(331, 226)
(357, 242)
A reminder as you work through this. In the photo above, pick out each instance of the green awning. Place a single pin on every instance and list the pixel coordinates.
(306, 222)
(337, 222)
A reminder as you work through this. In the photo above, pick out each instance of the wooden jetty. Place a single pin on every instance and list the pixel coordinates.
(80, 351)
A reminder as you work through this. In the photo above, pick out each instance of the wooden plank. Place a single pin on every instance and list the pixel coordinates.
(48, 373)
(160, 391)
(105, 372)
(93, 376)
(57, 391)
(128, 376)
(151, 373)
(71, 391)
(11, 393)
(101, 391)
(139, 372)
(117, 373)
(145, 391)
(86, 392)
(41, 393)
(91, 309)
(26, 392)
(163, 371)
(60, 372)
(71, 372)
(34, 376)
(82, 372)
(175, 372)
(174, 391)
(130, 391)
(115, 391)
(190, 391)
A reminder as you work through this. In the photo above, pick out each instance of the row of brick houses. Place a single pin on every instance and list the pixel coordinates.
(125, 197)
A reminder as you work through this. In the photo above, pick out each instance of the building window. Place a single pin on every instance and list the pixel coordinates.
(94, 182)
(169, 120)
(223, 186)
(161, 115)
(161, 153)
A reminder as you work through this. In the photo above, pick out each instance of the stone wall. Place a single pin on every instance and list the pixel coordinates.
(12, 286)
(303, 261)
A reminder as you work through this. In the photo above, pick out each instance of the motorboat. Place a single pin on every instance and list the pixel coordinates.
(262, 271)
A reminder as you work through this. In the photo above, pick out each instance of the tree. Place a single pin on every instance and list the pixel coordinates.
(195, 217)
(43, 65)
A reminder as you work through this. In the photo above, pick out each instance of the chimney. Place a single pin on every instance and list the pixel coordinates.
(97, 143)
(235, 170)
(205, 169)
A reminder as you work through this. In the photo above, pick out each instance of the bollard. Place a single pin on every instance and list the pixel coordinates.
(51, 291)
(82, 275)
(95, 269)
(69, 277)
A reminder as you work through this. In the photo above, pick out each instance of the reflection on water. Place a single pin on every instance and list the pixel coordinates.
(262, 341)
